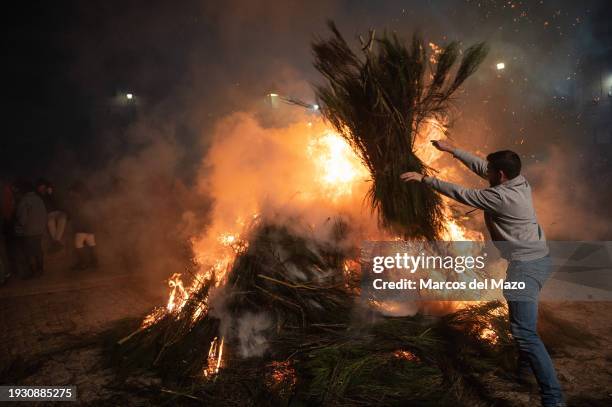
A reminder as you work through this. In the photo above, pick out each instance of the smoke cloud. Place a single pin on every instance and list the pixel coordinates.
(203, 150)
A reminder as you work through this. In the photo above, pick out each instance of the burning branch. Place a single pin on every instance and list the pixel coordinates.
(378, 102)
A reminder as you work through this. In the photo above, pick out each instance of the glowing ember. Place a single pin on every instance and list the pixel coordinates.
(406, 355)
(153, 317)
(436, 50)
(282, 376)
(489, 335)
(351, 268)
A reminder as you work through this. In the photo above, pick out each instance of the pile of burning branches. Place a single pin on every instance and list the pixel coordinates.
(283, 322)
(287, 326)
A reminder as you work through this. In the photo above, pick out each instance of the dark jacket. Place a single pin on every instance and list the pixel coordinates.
(50, 202)
(30, 216)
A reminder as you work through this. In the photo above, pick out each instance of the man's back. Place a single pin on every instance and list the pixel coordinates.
(516, 223)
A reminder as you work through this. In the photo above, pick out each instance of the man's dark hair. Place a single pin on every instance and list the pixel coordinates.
(507, 161)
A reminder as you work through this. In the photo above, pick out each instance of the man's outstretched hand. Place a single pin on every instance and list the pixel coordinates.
(444, 145)
(412, 176)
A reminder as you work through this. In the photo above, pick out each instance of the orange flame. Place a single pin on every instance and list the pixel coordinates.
(178, 295)
(315, 171)
(215, 356)
(338, 168)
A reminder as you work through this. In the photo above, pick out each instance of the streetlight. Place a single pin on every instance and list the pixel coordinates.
(129, 96)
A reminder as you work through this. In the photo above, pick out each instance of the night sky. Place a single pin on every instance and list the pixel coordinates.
(188, 63)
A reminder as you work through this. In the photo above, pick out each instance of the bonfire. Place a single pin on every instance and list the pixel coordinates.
(273, 314)
(288, 326)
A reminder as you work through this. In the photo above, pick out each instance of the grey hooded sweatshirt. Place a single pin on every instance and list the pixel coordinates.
(508, 210)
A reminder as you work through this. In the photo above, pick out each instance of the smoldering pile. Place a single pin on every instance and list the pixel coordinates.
(287, 326)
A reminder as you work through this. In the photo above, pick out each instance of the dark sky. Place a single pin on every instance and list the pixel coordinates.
(189, 62)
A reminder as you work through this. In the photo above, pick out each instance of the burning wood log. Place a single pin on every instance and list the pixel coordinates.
(378, 102)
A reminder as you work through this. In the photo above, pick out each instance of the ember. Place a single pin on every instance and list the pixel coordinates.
(406, 355)
(282, 376)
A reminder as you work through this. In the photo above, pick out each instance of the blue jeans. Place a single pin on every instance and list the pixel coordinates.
(523, 315)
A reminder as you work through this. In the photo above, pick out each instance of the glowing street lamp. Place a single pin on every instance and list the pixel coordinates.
(273, 99)
(129, 96)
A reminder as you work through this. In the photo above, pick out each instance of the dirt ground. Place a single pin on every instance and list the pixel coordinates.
(58, 331)
(584, 365)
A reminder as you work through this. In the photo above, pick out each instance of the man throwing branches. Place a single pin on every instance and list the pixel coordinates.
(511, 221)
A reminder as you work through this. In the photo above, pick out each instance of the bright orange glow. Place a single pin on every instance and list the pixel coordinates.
(178, 294)
(406, 355)
(282, 374)
(304, 171)
(338, 168)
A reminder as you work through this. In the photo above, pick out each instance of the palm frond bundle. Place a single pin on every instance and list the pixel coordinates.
(377, 101)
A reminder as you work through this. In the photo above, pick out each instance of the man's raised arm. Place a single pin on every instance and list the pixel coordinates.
(474, 163)
(487, 199)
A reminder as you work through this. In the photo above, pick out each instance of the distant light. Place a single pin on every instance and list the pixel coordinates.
(129, 96)
(272, 95)
(315, 107)
(500, 66)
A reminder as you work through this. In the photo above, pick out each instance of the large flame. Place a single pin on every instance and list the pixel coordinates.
(337, 167)
(307, 168)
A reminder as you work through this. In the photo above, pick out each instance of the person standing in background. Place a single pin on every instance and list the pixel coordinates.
(56, 218)
(7, 209)
(83, 219)
(30, 225)
(4, 261)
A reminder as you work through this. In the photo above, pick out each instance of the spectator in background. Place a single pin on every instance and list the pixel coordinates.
(30, 224)
(7, 209)
(83, 218)
(56, 218)
(4, 261)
